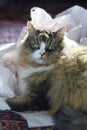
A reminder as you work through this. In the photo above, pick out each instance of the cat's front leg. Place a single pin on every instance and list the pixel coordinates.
(19, 104)
(26, 103)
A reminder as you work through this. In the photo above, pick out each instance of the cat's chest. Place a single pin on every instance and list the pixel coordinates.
(26, 73)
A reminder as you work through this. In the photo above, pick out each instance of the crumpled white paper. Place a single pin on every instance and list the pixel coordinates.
(7, 82)
(43, 21)
(8, 78)
(79, 15)
(75, 20)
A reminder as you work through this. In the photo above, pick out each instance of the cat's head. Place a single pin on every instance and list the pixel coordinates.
(41, 47)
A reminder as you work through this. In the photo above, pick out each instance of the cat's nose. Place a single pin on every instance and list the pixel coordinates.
(42, 54)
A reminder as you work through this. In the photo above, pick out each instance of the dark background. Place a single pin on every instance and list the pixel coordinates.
(19, 9)
(14, 14)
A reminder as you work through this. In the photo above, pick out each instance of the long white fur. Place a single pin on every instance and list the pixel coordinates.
(24, 72)
(37, 54)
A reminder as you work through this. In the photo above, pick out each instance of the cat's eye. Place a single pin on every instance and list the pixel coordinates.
(50, 49)
(35, 46)
(34, 42)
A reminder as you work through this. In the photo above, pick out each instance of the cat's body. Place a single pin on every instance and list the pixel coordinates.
(51, 75)
(66, 79)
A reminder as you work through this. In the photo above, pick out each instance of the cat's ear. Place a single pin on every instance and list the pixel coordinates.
(60, 36)
(31, 28)
(61, 32)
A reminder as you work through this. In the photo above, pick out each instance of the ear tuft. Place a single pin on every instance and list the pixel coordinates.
(30, 27)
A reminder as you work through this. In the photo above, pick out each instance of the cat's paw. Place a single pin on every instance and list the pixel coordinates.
(4, 105)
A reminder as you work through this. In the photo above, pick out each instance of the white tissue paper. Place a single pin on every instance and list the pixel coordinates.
(75, 20)
(43, 21)
(8, 79)
(7, 82)
(79, 16)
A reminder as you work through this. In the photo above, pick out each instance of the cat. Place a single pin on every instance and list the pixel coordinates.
(53, 73)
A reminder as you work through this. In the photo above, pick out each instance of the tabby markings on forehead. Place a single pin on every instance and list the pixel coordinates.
(44, 34)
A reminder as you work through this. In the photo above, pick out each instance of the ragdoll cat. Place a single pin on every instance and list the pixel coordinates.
(54, 72)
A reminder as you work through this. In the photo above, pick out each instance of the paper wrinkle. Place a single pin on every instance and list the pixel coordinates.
(38, 119)
(79, 15)
(24, 33)
(37, 15)
(8, 82)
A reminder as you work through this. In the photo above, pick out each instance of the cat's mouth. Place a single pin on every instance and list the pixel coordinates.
(45, 59)
(41, 61)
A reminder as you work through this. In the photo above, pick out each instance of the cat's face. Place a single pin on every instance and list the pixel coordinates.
(42, 48)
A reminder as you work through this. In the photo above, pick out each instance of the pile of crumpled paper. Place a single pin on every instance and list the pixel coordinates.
(75, 20)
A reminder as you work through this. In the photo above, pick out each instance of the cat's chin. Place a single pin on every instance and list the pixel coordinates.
(41, 61)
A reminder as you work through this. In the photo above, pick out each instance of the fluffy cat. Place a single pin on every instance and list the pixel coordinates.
(53, 74)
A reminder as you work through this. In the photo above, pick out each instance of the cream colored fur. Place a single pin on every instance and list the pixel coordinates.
(69, 83)
(67, 77)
